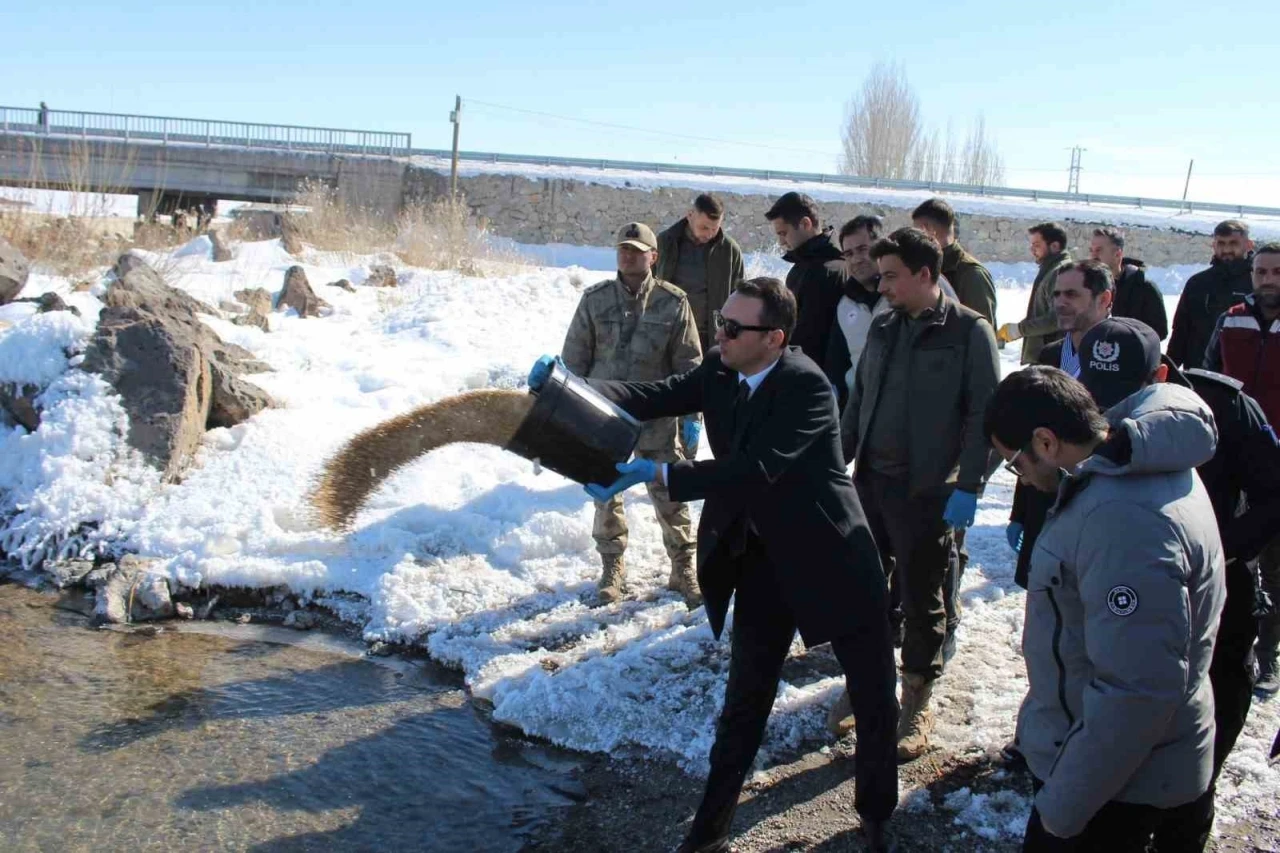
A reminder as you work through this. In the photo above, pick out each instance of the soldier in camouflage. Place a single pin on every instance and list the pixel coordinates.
(637, 327)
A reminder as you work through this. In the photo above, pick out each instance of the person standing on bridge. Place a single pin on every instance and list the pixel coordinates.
(43, 117)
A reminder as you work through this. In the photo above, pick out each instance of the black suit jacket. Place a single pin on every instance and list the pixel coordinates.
(782, 468)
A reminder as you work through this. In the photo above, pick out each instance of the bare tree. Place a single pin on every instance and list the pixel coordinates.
(981, 162)
(885, 137)
(882, 125)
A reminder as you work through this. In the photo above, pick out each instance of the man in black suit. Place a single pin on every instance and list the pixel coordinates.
(782, 529)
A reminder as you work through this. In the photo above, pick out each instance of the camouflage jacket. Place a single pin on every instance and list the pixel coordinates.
(648, 336)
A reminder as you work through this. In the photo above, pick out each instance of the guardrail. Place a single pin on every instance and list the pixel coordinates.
(168, 130)
(855, 181)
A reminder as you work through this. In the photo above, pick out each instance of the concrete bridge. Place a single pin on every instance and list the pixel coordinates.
(173, 163)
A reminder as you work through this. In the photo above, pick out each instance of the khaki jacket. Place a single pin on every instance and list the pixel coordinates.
(645, 337)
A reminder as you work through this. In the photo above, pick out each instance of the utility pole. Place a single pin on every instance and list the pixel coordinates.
(1187, 185)
(456, 118)
(1073, 174)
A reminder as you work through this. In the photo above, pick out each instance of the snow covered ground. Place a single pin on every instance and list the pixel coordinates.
(468, 551)
(1199, 222)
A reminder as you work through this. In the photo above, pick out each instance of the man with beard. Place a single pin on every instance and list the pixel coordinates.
(1246, 347)
(1209, 292)
(1048, 243)
(1135, 296)
(971, 281)
(697, 256)
(817, 274)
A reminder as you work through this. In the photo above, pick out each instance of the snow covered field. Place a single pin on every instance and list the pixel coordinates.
(468, 551)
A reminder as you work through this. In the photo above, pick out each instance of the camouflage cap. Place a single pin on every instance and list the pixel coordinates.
(637, 235)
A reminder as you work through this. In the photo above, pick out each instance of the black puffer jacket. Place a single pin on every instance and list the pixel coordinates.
(1140, 299)
(1206, 295)
(817, 279)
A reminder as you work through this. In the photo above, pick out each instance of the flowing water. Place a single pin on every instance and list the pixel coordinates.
(203, 737)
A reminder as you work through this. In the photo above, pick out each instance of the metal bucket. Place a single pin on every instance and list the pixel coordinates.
(576, 432)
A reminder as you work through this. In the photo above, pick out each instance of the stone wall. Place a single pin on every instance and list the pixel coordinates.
(588, 214)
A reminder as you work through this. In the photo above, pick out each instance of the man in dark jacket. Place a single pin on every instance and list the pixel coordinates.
(1048, 244)
(913, 426)
(1208, 293)
(817, 274)
(1246, 347)
(697, 256)
(1245, 464)
(1082, 299)
(783, 533)
(1135, 296)
(971, 281)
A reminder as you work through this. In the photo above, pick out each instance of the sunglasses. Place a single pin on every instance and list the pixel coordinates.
(732, 328)
(1012, 465)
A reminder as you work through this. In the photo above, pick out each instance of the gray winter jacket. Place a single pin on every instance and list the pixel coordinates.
(1123, 599)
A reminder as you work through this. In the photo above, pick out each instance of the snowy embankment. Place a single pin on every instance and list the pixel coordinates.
(985, 205)
(467, 551)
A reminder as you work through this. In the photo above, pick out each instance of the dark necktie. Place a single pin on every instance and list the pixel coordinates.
(740, 410)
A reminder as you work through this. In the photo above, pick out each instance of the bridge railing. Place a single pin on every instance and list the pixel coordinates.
(855, 181)
(168, 130)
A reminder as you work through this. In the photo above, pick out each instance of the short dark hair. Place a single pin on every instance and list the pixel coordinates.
(709, 205)
(1230, 228)
(1042, 396)
(868, 222)
(937, 211)
(792, 207)
(913, 247)
(1269, 248)
(1115, 235)
(779, 303)
(1097, 275)
(1050, 232)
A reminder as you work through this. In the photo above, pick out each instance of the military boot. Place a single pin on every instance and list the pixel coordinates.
(1268, 683)
(840, 719)
(612, 579)
(916, 721)
(684, 580)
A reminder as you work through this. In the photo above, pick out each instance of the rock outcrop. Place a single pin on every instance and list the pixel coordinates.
(381, 275)
(298, 295)
(221, 251)
(14, 271)
(176, 377)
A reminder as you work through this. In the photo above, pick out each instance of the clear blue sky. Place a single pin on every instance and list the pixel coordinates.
(1143, 86)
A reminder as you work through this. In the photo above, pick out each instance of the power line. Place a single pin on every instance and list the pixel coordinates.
(651, 131)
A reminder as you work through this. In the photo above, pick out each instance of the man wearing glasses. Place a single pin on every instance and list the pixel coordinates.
(782, 532)
(638, 327)
(1123, 601)
(913, 427)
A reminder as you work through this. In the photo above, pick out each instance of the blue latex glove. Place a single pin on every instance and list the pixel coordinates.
(633, 472)
(690, 432)
(1014, 534)
(542, 371)
(961, 508)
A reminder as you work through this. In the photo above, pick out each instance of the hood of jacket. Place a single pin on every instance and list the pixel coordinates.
(1168, 428)
(818, 249)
